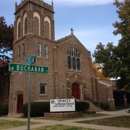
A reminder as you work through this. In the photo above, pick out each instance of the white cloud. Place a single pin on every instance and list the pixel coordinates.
(83, 2)
(72, 2)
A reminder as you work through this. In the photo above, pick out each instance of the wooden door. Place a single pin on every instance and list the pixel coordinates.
(19, 103)
(75, 91)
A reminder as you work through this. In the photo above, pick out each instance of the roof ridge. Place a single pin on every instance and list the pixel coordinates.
(63, 38)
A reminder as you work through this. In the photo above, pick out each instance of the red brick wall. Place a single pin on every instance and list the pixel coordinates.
(64, 115)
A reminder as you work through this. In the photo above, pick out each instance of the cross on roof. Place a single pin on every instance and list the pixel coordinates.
(71, 30)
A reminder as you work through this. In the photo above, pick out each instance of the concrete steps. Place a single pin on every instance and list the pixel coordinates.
(92, 107)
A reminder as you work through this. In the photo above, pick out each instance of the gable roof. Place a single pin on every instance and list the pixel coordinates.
(64, 38)
(69, 37)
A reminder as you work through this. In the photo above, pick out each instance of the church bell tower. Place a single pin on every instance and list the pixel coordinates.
(34, 34)
(34, 21)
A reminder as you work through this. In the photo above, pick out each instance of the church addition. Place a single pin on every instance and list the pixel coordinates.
(70, 65)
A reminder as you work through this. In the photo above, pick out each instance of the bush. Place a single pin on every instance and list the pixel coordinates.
(81, 106)
(104, 105)
(36, 109)
(3, 110)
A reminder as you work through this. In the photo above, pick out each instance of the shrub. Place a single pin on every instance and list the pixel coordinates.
(36, 109)
(3, 110)
(104, 105)
(81, 106)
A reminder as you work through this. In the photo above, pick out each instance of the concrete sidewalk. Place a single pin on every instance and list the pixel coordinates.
(72, 122)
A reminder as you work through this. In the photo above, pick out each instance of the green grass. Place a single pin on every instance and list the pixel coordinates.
(6, 124)
(61, 127)
(121, 121)
(93, 115)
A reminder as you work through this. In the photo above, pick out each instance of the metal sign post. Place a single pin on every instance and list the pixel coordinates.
(29, 100)
(29, 61)
(30, 69)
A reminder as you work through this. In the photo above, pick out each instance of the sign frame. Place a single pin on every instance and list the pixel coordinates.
(62, 105)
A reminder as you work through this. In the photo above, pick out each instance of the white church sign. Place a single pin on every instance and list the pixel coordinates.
(62, 105)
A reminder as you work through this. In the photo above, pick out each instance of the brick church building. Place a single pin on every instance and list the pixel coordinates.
(70, 65)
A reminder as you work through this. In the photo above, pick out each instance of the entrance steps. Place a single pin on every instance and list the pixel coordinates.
(93, 107)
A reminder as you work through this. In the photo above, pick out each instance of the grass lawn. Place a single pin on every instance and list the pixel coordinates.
(6, 124)
(93, 115)
(121, 121)
(61, 127)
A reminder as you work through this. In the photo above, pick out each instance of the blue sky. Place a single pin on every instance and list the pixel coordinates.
(91, 19)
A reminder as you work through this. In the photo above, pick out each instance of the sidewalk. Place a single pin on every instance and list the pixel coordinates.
(72, 122)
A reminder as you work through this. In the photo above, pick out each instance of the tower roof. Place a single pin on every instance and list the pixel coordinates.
(39, 3)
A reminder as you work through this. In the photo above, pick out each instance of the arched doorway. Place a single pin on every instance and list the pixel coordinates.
(19, 103)
(75, 90)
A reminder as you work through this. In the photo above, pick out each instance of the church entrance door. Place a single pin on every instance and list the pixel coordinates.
(75, 90)
(19, 103)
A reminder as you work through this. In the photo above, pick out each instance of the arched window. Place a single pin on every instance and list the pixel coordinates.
(36, 25)
(25, 25)
(73, 59)
(47, 27)
(19, 29)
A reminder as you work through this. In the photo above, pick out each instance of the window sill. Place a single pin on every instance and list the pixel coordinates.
(43, 95)
(74, 70)
(39, 57)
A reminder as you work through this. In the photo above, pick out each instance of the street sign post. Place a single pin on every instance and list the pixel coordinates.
(28, 68)
(30, 60)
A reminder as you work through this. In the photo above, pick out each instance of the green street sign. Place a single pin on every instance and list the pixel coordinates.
(28, 68)
(30, 60)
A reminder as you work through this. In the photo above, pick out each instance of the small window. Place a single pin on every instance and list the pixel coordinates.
(23, 50)
(45, 51)
(42, 88)
(18, 52)
(39, 50)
